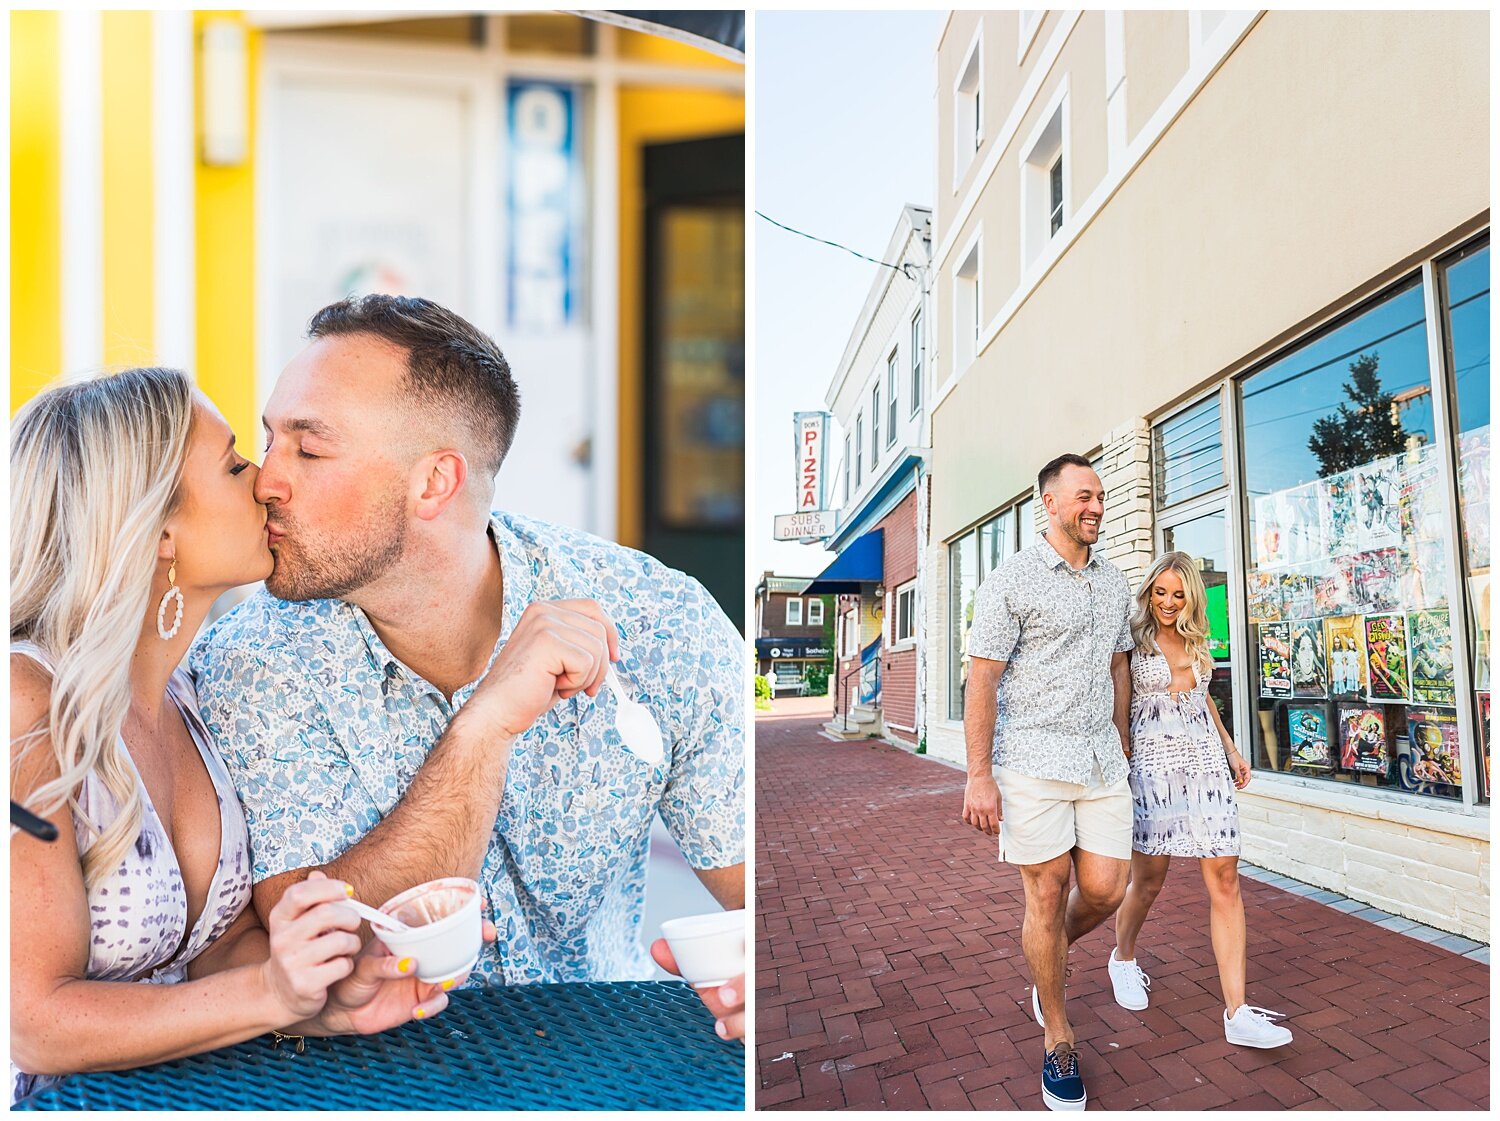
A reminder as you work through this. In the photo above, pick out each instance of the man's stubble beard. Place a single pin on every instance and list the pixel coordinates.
(339, 567)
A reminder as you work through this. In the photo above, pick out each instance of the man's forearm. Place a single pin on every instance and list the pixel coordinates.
(980, 708)
(442, 825)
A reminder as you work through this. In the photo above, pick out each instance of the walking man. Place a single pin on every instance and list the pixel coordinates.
(1048, 700)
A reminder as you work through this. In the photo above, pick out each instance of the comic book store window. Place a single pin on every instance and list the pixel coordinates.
(1349, 641)
(1466, 303)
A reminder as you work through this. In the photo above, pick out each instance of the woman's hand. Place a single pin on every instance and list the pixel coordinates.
(313, 943)
(1239, 770)
(383, 993)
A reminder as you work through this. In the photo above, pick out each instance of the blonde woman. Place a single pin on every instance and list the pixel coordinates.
(130, 513)
(1184, 770)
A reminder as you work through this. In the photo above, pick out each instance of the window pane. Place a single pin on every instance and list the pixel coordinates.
(1205, 540)
(916, 362)
(874, 428)
(963, 583)
(1347, 595)
(1189, 453)
(1468, 301)
(1026, 517)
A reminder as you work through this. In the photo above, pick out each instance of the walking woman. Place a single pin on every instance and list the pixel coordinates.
(1184, 770)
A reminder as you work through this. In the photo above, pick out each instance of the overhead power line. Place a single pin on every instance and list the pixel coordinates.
(904, 269)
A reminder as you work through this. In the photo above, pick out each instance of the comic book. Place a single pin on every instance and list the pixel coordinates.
(1474, 494)
(1344, 640)
(1309, 660)
(1308, 732)
(1433, 737)
(1288, 528)
(1333, 590)
(1377, 504)
(1424, 578)
(1479, 596)
(1375, 581)
(1431, 657)
(1299, 599)
(1387, 654)
(1484, 738)
(1336, 508)
(1421, 495)
(1362, 740)
(1276, 660)
(1263, 601)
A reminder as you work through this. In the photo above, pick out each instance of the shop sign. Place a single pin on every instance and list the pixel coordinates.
(792, 648)
(815, 525)
(810, 428)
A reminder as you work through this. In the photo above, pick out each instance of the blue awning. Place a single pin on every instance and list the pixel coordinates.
(862, 563)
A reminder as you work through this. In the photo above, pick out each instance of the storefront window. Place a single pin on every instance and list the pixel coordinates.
(1347, 583)
(1466, 281)
(1204, 539)
(963, 583)
(1188, 450)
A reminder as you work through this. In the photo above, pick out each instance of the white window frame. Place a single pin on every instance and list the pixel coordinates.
(968, 107)
(917, 327)
(794, 601)
(894, 639)
(1029, 22)
(875, 425)
(968, 290)
(848, 466)
(814, 611)
(859, 449)
(892, 390)
(1048, 140)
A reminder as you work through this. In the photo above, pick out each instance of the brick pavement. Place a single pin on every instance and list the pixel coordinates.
(889, 970)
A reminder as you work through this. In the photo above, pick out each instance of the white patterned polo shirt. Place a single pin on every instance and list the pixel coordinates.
(1057, 629)
(323, 730)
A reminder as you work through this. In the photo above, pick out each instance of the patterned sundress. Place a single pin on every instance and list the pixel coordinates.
(1179, 778)
(138, 912)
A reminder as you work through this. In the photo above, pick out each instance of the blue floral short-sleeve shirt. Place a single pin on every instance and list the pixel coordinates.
(323, 730)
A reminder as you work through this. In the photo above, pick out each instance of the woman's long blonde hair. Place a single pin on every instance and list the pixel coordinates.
(1192, 620)
(95, 471)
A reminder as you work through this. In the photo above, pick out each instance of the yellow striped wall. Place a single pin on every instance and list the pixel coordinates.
(35, 204)
(129, 277)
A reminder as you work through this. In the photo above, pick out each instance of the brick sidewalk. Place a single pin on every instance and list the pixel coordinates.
(889, 970)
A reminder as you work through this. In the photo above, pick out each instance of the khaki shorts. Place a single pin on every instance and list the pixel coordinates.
(1043, 818)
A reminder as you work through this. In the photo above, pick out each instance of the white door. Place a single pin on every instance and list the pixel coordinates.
(372, 184)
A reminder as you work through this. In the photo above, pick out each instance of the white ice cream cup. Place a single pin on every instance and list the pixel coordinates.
(447, 930)
(710, 949)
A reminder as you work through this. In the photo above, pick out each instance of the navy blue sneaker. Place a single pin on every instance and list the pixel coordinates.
(1062, 1085)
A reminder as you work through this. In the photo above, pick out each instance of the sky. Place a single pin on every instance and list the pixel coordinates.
(843, 136)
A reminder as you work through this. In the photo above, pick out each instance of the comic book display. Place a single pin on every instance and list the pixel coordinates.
(1344, 640)
(1264, 597)
(1337, 501)
(1299, 596)
(1362, 740)
(1474, 494)
(1275, 660)
(1388, 657)
(1377, 504)
(1307, 730)
(1424, 578)
(1309, 659)
(1484, 738)
(1433, 740)
(1288, 528)
(1375, 580)
(1431, 658)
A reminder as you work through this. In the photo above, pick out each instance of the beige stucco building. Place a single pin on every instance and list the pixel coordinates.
(1176, 243)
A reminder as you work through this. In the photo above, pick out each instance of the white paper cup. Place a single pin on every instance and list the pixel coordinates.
(443, 945)
(710, 949)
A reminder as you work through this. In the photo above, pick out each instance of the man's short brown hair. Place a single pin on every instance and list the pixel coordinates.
(451, 367)
(1048, 474)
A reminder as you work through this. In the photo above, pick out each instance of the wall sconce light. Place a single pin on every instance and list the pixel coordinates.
(226, 110)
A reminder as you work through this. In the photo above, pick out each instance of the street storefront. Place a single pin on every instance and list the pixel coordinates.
(792, 647)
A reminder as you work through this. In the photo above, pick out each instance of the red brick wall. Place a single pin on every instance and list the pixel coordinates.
(898, 669)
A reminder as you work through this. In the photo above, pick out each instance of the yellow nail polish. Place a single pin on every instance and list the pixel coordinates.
(404, 965)
(420, 1012)
(349, 890)
(448, 984)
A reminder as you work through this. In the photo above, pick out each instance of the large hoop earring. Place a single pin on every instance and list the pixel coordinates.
(161, 608)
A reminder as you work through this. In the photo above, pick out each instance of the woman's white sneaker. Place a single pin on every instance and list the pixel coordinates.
(1252, 1027)
(1130, 982)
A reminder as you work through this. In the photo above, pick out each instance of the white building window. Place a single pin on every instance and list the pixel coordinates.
(1030, 23)
(859, 448)
(968, 97)
(847, 462)
(904, 614)
(916, 363)
(794, 612)
(890, 392)
(1045, 199)
(875, 427)
(967, 313)
(814, 612)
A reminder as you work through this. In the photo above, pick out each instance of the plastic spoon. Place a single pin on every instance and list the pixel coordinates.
(637, 727)
(372, 916)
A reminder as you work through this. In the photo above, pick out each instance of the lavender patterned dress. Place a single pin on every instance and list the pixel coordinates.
(139, 911)
(1179, 778)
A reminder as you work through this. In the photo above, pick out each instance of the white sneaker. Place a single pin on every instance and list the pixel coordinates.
(1252, 1027)
(1130, 982)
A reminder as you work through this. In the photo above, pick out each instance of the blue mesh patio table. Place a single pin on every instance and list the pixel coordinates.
(618, 1045)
